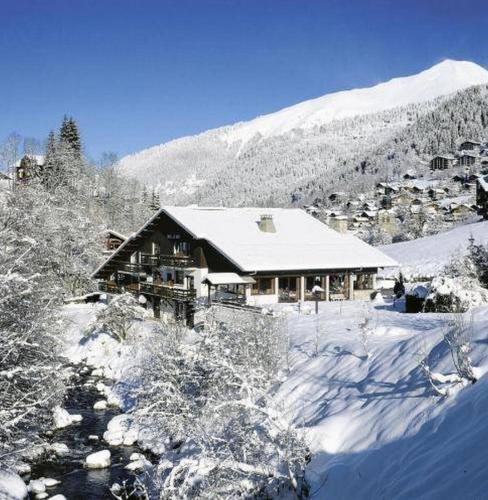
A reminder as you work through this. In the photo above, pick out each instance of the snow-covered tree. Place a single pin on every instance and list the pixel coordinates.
(208, 401)
(29, 330)
(118, 317)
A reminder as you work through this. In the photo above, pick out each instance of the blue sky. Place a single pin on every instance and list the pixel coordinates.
(140, 72)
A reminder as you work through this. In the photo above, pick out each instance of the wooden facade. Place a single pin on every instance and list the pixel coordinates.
(441, 162)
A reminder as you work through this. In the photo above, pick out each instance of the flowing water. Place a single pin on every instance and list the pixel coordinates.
(77, 482)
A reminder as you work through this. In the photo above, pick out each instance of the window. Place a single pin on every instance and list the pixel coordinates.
(181, 248)
(263, 286)
(364, 282)
(179, 277)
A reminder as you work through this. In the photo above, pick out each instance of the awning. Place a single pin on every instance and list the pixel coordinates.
(227, 279)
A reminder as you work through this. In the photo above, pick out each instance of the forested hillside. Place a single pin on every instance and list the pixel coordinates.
(297, 166)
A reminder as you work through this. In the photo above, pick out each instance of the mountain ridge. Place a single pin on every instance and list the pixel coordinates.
(236, 158)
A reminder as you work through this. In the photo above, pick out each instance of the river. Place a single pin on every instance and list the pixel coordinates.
(77, 482)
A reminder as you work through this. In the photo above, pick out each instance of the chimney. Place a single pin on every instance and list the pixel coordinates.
(266, 224)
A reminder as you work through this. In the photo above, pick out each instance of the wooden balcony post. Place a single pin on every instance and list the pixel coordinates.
(302, 289)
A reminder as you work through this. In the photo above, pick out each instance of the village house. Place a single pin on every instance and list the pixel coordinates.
(460, 212)
(28, 167)
(468, 160)
(113, 240)
(387, 220)
(247, 256)
(442, 162)
(336, 197)
(409, 175)
(470, 146)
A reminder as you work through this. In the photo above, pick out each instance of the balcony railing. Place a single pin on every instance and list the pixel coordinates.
(167, 292)
(167, 260)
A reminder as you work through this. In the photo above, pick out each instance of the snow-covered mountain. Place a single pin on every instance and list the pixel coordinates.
(271, 158)
(440, 80)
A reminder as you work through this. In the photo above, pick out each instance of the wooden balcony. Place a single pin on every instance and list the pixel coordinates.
(182, 261)
(168, 292)
(163, 291)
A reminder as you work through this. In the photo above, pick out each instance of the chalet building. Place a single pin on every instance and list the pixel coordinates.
(387, 220)
(462, 211)
(338, 222)
(387, 188)
(410, 175)
(436, 193)
(338, 196)
(248, 256)
(441, 162)
(470, 146)
(468, 160)
(28, 167)
(403, 198)
(113, 240)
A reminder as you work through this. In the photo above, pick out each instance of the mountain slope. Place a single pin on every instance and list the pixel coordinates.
(301, 152)
(440, 80)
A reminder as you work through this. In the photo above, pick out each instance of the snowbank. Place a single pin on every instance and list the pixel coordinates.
(426, 257)
(373, 425)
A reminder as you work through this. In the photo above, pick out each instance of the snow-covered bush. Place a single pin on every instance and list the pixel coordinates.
(208, 402)
(117, 318)
(457, 294)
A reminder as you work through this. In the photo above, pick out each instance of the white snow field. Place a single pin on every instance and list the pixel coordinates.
(426, 257)
(374, 427)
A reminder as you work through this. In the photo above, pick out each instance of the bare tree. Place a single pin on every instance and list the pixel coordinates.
(458, 338)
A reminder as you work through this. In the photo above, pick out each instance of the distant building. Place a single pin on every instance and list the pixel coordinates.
(468, 160)
(113, 240)
(410, 175)
(28, 167)
(441, 162)
(338, 196)
(470, 146)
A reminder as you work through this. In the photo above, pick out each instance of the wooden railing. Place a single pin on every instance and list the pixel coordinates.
(167, 260)
(167, 292)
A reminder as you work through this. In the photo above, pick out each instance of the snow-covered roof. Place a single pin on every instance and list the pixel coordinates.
(445, 156)
(483, 183)
(109, 232)
(39, 159)
(228, 279)
(300, 240)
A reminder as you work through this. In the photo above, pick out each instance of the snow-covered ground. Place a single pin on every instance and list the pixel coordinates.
(425, 257)
(373, 425)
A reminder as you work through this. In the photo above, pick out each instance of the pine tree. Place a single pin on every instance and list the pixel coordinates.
(50, 157)
(155, 203)
(70, 136)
